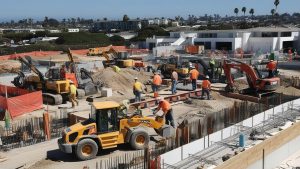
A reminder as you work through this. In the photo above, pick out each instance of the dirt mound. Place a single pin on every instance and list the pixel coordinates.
(288, 90)
(121, 81)
(9, 66)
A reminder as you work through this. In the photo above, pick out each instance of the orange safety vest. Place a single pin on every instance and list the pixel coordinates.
(194, 74)
(206, 84)
(271, 65)
(165, 106)
(157, 80)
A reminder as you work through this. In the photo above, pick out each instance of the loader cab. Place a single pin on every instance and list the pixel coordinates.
(106, 116)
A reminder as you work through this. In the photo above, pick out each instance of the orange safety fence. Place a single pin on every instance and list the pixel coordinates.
(19, 101)
(24, 104)
(12, 91)
(80, 52)
(34, 54)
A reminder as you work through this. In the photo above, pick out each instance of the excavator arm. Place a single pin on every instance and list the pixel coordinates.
(32, 68)
(252, 77)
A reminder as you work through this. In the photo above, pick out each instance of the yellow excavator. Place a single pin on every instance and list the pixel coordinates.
(108, 127)
(55, 90)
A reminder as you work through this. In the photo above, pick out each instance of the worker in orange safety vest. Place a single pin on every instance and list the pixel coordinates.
(206, 86)
(194, 74)
(156, 82)
(165, 106)
(271, 66)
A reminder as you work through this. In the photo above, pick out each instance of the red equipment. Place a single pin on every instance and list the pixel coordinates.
(255, 83)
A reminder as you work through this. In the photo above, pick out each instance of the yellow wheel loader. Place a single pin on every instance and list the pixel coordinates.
(107, 128)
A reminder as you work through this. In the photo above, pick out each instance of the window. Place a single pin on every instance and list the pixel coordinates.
(207, 35)
(106, 120)
(286, 34)
(269, 34)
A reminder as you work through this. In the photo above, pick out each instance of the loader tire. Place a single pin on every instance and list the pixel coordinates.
(139, 140)
(86, 149)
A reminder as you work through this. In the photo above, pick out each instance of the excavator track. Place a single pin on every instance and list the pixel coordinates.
(52, 99)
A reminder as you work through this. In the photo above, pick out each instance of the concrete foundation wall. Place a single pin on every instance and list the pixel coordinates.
(181, 153)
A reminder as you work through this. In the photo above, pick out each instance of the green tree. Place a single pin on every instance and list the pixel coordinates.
(273, 11)
(244, 9)
(251, 12)
(53, 22)
(45, 22)
(236, 11)
(125, 18)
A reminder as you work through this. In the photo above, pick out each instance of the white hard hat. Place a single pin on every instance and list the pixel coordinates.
(135, 78)
(71, 82)
(207, 77)
(160, 99)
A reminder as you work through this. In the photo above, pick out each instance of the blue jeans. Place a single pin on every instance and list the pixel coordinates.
(173, 88)
(205, 91)
(194, 84)
(155, 88)
(169, 118)
(137, 96)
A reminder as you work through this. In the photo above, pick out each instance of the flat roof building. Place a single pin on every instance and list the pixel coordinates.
(262, 39)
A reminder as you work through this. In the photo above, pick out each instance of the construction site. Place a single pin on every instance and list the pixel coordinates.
(247, 115)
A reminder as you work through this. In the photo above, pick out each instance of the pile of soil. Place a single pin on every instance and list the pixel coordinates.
(121, 82)
(217, 103)
(9, 66)
(288, 90)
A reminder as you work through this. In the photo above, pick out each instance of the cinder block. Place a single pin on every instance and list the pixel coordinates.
(106, 92)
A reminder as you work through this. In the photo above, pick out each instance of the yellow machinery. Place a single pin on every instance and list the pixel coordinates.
(167, 69)
(107, 128)
(55, 90)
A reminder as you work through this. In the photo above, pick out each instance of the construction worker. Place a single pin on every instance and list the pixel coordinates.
(62, 72)
(137, 89)
(206, 86)
(165, 106)
(73, 90)
(194, 74)
(156, 82)
(174, 78)
(212, 64)
(271, 66)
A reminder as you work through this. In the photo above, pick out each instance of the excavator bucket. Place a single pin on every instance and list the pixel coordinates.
(90, 88)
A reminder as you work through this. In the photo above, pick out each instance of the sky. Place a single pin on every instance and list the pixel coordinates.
(115, 9)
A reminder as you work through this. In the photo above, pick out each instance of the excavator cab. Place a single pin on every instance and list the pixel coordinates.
(53, 73)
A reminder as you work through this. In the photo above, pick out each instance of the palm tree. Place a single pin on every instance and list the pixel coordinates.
(273, 12)
(236, 11)
(276, 3)
(244, 9)
(251, 12)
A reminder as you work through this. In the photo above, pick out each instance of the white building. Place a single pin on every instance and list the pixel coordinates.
(255, 39)
(73, 30)
(55, 31)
